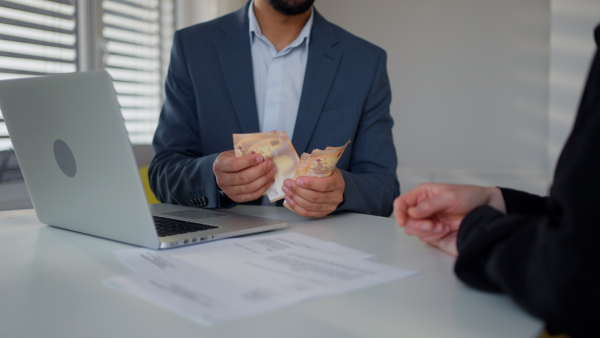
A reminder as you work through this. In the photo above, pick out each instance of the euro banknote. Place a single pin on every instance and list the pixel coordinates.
(271, 145)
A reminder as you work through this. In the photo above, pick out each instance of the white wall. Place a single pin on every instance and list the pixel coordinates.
(469, 85)
(571, 49)
(194, 11)
(484, 91)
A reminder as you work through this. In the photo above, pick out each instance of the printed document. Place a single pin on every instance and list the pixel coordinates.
(214, 285)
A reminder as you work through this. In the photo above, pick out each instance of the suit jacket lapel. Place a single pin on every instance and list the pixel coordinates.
(321, 69)
(233, 50)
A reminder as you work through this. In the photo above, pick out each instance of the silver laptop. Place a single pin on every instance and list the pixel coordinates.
(74, 152)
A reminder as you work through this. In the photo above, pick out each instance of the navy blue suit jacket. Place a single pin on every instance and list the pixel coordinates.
(210, 95)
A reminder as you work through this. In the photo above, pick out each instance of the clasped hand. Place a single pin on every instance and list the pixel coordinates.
(244, 178)
(434, 212)
(315, 196)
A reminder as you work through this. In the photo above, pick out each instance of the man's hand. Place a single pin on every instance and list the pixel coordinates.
(315, 196)
(434, 212)
(243, 178)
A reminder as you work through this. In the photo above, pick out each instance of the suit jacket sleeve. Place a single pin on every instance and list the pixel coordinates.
(544, 253)
(371, 181)
(181, 170)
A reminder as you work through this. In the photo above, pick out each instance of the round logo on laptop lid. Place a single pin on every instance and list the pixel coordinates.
(64, 157)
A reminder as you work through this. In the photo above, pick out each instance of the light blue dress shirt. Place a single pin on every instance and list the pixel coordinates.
(278, 76)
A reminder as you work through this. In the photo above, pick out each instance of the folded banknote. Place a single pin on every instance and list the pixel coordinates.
(278, 147)
(271, 145)
(319, 163)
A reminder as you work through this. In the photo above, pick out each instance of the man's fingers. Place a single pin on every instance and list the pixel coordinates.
(247, 193)
(315, 196)
(310, 203)
(228, 163)
(302, 189)
(309, 210)
(323, 184)
(246, 176)
(249, 186)
(312, 206)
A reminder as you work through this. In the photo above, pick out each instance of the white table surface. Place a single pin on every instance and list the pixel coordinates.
(51, 286)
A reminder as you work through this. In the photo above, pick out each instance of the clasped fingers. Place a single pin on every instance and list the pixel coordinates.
(315, 196)
(244, 178)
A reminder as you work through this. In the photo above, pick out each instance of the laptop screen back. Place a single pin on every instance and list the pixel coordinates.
(73, 149)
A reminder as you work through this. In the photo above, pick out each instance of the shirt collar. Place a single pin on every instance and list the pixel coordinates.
(256, 31)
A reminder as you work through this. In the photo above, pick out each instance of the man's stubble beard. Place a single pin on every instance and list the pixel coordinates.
(291, 7)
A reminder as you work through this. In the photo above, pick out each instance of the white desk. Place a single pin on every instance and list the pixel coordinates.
(51, 286)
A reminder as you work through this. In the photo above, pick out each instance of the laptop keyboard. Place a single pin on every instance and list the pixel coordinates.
(170, 227)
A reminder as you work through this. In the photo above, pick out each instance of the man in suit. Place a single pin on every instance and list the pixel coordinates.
(275, 65)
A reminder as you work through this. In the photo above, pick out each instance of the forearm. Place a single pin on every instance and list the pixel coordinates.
(178, 179)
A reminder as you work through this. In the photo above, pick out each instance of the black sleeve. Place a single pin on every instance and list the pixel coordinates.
(520, 202)
(545, 253)
(545, 265)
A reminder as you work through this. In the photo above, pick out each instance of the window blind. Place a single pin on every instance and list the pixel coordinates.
(37, 37)
(137, 34)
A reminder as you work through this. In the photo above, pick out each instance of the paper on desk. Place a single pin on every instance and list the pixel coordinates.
(197, 302)
(197, 294)
(213, 291)
(265, 244)
(244, 246)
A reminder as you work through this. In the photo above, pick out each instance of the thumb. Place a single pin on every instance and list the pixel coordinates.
(429, 207)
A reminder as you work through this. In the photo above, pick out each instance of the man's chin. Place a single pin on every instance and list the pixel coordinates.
(291, 7)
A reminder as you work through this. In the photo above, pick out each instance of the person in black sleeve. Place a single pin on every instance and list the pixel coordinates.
(541, 251)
